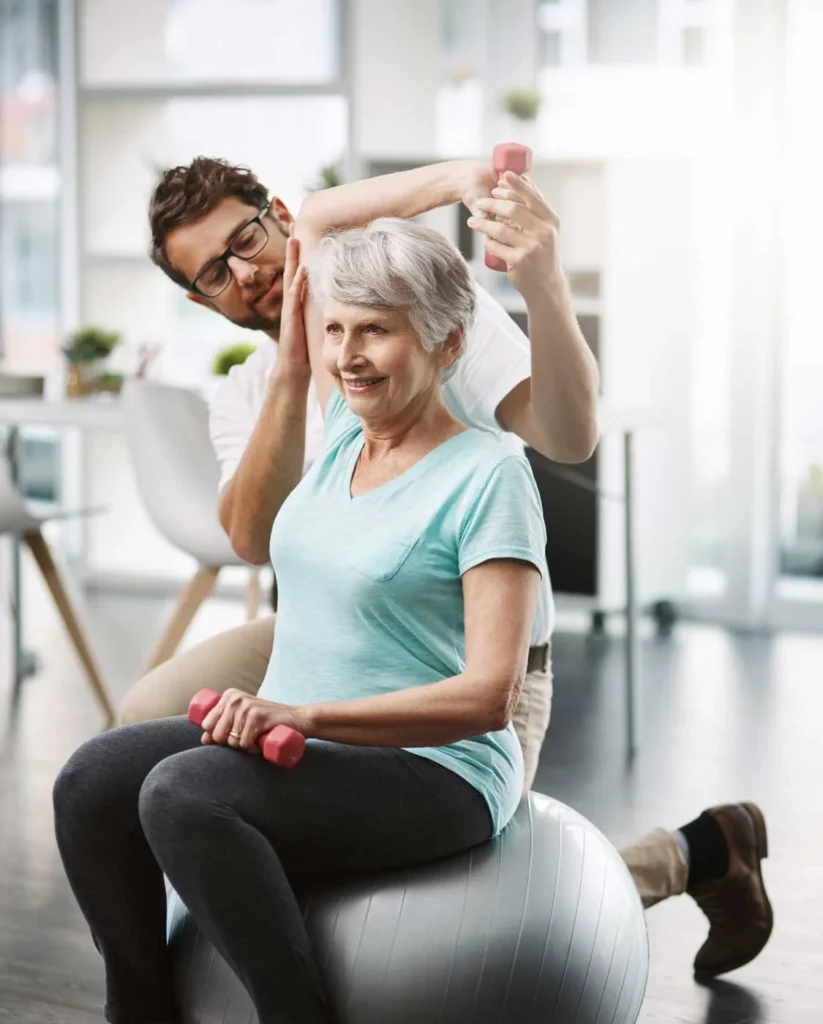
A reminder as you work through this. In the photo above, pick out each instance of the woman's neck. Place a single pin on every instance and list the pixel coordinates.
(418, 428)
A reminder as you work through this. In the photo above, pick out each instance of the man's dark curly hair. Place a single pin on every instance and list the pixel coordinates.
(187, 193)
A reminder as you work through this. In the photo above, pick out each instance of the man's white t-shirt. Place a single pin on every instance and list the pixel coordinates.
(496, 358)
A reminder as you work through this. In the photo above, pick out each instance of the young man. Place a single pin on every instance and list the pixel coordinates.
(218, 234)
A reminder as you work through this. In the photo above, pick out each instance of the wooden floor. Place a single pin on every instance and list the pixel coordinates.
(727, 718)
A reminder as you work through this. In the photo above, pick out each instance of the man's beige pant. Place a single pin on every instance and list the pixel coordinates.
(237, 659)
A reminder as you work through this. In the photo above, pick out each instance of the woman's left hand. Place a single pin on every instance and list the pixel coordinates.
(521, 229)
(240, 719)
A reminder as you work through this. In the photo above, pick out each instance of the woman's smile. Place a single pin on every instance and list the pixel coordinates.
(362, 384)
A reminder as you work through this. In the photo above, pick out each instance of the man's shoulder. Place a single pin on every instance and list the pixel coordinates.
(246, 382)
(492, 317)
(496, 358)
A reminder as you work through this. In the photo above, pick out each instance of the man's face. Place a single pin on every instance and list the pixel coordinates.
(254, 296)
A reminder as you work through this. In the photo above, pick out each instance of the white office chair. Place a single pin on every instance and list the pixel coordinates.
(178, 477)
(17, 519)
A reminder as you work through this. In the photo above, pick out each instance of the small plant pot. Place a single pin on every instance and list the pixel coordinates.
(75, 381)
(107, 384)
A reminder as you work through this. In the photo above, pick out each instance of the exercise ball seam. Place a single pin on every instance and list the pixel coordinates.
(350, 985)
(457, 938)
(492, 916)
(554, 901)
(594, 944)
(523, 912)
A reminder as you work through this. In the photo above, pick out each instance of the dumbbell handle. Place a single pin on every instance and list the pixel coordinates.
(508, 156)
(281, 745)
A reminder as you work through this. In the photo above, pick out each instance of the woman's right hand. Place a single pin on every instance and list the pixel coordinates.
(292, 348)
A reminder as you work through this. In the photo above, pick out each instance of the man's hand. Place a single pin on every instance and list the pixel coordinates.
(523, 233)
(292, 348)
(477, 179)
(240, 719)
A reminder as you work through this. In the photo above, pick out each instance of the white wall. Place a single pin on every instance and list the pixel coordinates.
(395, 76)
(133, 47)
(576, 193)
(647, 333)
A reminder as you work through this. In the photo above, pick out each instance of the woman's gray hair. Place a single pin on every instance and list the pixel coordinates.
(397, 264)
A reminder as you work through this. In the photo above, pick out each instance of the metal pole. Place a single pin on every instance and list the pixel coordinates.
(25, 663)
(632, 650)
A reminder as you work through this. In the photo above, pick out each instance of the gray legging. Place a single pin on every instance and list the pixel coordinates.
(229, 829)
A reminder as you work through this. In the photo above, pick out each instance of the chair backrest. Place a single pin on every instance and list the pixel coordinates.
(176, 468)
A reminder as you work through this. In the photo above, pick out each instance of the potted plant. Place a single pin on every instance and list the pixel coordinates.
(84, 351)
(522, 104)
(233, 355)
(327, 177)
(108, 383)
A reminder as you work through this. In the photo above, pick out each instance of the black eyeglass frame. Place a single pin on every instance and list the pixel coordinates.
(229, 251)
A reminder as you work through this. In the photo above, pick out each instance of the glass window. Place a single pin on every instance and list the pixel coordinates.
(551, 49)
(694, 45)
(712, 376)
(29, 284)
(801, 456)
(801, 353)
(622, 33)
(29, 185)
(161, 41)
(30, 247)
(463, 39)
(28, 81)
(41, 469)
(459, 104)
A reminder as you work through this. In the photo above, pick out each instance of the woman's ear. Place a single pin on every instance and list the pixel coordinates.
(451, 347)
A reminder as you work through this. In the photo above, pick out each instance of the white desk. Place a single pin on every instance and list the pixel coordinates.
(85, 413)
(106, 414)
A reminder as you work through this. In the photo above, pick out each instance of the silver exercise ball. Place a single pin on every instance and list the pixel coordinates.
(542, 925)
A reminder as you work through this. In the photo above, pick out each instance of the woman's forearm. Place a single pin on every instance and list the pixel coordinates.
(420, 716)
(404, 194)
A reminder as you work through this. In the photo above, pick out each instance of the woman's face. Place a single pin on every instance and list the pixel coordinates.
(378, 360)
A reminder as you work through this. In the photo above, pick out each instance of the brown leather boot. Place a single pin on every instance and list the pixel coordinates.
(738, 909)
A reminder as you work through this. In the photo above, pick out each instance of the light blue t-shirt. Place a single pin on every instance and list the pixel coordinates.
(370, 599)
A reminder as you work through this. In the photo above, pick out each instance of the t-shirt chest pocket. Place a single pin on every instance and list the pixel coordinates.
(379, 557)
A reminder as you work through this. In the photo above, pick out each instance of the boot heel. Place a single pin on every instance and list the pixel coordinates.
(759, 830)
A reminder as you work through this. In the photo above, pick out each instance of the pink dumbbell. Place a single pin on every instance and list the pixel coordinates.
(281, 745)
(508, 156)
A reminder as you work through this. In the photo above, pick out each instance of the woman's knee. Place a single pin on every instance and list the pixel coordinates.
(174, 799)
(86, 785)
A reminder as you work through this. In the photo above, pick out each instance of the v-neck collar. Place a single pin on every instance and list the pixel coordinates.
(420, 467)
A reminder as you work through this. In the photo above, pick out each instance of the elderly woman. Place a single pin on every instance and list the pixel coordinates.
(408, 563)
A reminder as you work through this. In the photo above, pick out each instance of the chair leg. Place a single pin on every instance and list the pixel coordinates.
(253, 595)
(192, 597)
(42, 556)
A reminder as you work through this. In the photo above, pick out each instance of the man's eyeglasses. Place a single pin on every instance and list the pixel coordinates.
(216, 276)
